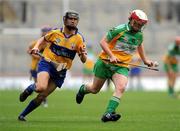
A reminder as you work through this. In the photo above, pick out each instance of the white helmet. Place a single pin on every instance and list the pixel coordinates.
(138, 15)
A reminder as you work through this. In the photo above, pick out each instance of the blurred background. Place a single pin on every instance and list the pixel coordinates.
(21, 22)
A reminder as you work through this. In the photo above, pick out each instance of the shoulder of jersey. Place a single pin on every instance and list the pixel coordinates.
(79, 35)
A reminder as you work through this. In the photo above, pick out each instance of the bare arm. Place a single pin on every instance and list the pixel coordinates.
(143, 56)
(104, 46)
(142, 53)
(83, 54)
(35, 49)
(29, 51)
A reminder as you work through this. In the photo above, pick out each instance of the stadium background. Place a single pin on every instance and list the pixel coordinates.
(20, 23)
(21, 20)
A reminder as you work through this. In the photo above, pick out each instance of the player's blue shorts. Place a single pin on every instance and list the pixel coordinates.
(135, 71)
(33, 73)
(57, 77)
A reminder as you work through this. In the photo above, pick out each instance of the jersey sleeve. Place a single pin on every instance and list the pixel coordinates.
(113, 33)
(170, 49)
(141, 39)
(50, 36)
(80, 44)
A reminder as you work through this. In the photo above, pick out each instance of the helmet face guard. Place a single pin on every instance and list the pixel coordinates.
(71, 14)
(68, 16)
(135, 16)
(140, 17)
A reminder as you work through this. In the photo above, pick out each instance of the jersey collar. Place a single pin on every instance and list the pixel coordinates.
(67, 36)
(128, 27)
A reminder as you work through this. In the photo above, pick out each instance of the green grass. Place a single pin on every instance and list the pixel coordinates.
(141, 111)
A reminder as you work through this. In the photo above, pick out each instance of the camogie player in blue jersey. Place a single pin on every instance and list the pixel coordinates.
(35, 58)
(62, 46)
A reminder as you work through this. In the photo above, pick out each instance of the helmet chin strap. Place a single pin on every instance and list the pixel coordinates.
(143, 27)
(131, 28)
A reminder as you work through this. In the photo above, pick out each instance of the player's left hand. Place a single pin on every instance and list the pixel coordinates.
(150, 63)
(83, 50)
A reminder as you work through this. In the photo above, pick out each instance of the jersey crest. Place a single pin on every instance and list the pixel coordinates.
(57, 40)
(73, 45)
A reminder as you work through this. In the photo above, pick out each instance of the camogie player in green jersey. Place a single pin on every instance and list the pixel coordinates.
(171, 64)
(118, 45)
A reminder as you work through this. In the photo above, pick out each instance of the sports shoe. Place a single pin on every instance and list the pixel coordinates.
(21, 118)
(110, 117)
(79, 96)
(23, 96)
(45, 103)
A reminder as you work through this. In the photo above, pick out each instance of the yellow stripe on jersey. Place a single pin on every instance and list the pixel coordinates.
(136, 59)
(89, 64)
(170, 59)
(62, 49)
(124, 57)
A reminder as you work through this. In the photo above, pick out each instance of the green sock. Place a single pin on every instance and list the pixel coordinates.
(113, 104)
(171, 91)
(83, 89)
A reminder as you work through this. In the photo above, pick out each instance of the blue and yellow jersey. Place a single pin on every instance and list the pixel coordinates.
(123, 43)
(62, 48)
(172, 55)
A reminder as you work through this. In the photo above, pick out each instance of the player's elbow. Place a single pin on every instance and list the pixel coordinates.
(103, 41)
(83, 60)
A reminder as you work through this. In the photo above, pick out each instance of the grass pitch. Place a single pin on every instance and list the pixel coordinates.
(141, 111)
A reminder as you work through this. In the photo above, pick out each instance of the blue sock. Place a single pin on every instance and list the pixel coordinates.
(32, 105)
(31, 88)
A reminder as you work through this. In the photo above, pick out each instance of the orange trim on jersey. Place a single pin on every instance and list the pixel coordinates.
(112, 43)
(119, 54)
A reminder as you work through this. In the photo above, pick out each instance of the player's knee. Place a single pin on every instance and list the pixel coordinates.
(120, 88)
(40, 88)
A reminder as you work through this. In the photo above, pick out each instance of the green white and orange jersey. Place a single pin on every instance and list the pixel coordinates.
(35, 60)
(62, 48)
(136, 59)
(123, 43)
(173, 54)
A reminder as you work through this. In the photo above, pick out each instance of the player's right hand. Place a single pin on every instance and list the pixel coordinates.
(113, 59)
(83, 50)
(34, 51)
(149, 63)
